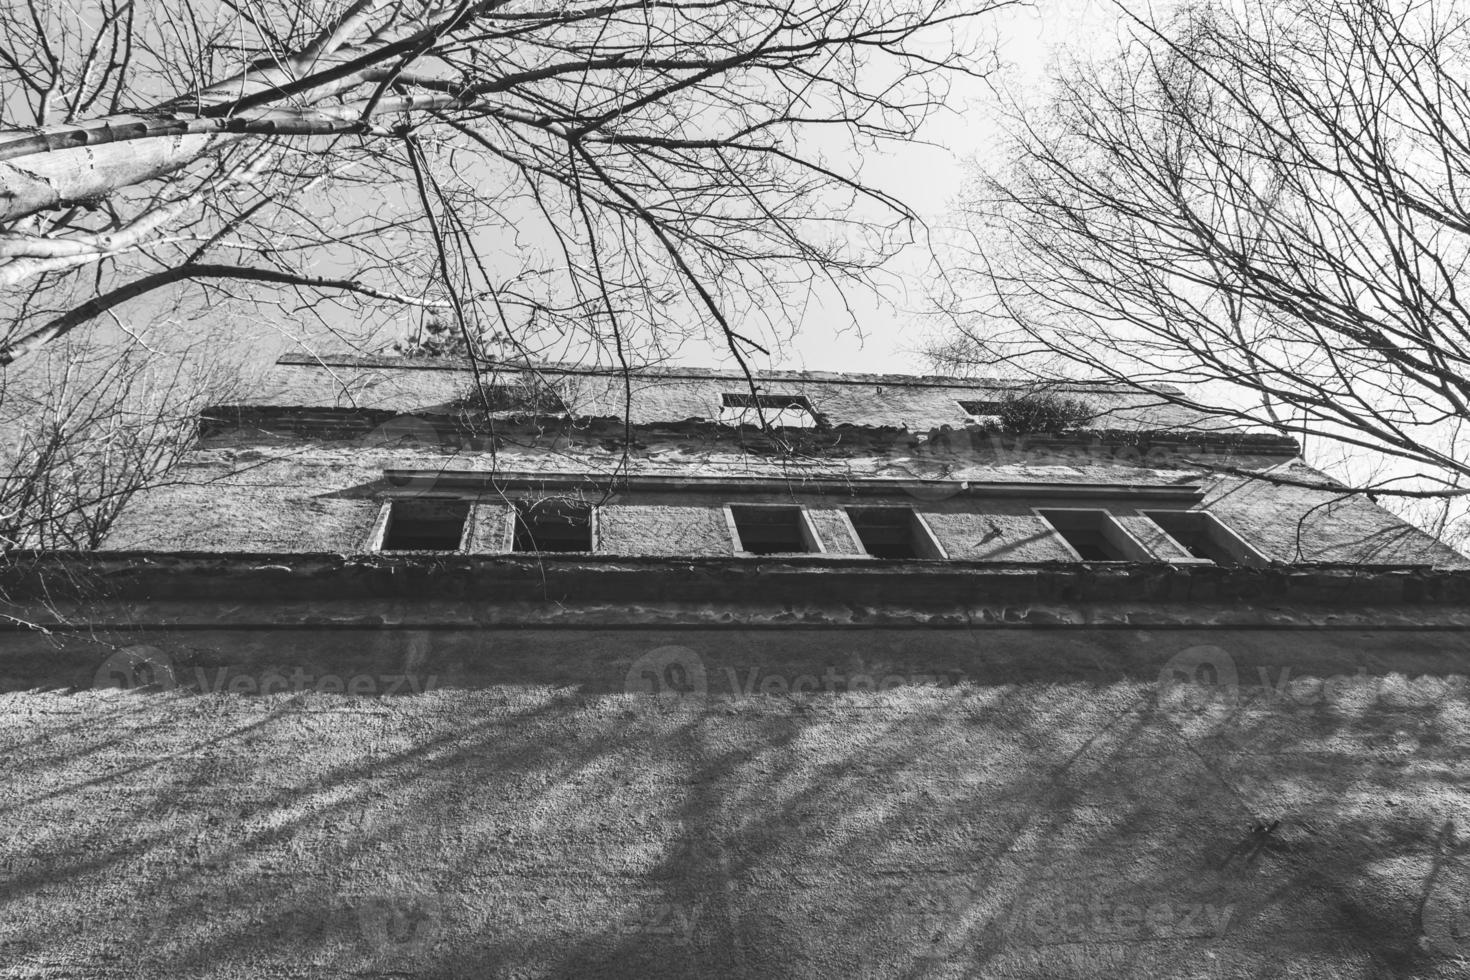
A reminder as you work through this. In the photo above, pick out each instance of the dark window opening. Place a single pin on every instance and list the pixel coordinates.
(553, 525)
(425, 525)
(1092, 534)
(771, 530)
(773, 402)
(779, 411)
(892, 532)
(526, 396)
(1199, 535)
(1091, 545)
(980, 408)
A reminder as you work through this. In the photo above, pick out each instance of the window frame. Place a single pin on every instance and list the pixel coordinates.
(378, 535)
(513, 516)
(1220, 534)
(805, 526)
(922, 534)
(1112, 530)
(981, 417)
(765, 406)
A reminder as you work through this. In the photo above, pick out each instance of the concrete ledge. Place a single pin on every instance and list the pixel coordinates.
(485, 431)
(730, 586)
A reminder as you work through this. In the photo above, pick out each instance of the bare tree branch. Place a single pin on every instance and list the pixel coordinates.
(1261, 203)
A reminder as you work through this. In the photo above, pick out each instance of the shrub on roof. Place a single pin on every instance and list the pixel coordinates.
(518, 392)
(1043, 411)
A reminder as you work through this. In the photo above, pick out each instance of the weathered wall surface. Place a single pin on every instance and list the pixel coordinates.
(674, 395)
(257, 483)
(1053, 813)
(273, 494)
(612, 660)
(1292, 524)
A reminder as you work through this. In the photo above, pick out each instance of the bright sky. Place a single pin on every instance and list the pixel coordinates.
(931, 177)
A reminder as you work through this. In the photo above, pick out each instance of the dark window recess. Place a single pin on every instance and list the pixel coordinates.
(1091, 533)
(1091, 545)
(532, 396)
(771, 530)
(425, 525)
(888, 532)
(553, 525)
(771, 402)
(981, 408)
(1197, 534)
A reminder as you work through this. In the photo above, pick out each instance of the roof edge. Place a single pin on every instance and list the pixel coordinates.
(690, 373)
(354, 423)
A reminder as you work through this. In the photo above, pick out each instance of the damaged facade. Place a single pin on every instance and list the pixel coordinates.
(358, 500)
(387, 641)
(357, 456)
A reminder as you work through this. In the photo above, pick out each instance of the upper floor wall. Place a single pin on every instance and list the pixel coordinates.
(654, 396)
(329, 457)
(665, 497)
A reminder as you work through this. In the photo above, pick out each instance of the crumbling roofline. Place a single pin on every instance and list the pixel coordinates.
(699, 374)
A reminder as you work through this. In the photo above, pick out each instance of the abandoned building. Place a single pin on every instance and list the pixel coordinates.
(503, 561)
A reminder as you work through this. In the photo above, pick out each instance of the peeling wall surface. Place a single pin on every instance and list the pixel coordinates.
(278, 475)
(248, 739)
(678, 394)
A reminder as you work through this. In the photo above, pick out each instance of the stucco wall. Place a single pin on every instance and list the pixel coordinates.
(1048, 814)
(295, 482)
(241, 492)
(674, 395)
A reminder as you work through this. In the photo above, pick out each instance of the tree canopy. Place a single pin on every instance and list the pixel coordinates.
(1263, 203)
(614, 171)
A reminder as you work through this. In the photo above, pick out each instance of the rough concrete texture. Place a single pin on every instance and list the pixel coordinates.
(673, 395)
(1053, 812)
(665, 761)
(127, 591)
(248, 491)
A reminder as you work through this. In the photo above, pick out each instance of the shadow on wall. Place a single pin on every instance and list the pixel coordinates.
(714, 662)
(1114, 803)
